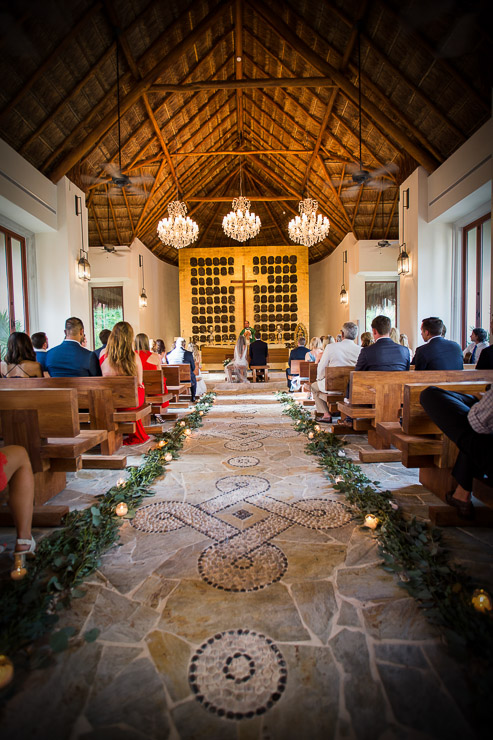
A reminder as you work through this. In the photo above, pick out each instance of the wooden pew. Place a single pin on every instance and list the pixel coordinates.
(265, 372)
(155, 394)
(294, 369)
(175, 387)
(377, 396)
(424, 446)
(100, 400)
(46, 422)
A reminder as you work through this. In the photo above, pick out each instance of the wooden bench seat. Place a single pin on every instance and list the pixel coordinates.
(378, 396)
(46, 422)
(99, 400)
(423, 446)
(265, 372)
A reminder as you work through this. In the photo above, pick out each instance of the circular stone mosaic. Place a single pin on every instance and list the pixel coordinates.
(243, 461)
(157, 517)
(243, 445)
(238, 674)
(226, 570)
(253, 483)
(323, 514)
(283, 433)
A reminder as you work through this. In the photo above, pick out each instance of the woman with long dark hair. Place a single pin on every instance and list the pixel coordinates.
(20, 358)
(120, 358)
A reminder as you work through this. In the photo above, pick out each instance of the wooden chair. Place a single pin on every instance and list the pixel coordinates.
(264, 373)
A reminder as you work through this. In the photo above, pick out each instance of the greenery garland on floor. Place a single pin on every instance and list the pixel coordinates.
(69, 555)
(410, 549)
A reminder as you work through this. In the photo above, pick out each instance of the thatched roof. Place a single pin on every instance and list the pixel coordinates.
(425, 88)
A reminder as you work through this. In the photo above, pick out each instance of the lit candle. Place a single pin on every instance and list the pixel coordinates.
(187, 432)
(121, 509)
(311, 435)
(481, 600)
(6, 671)
(162, 443)
(371, 521)
(19, 570)
(168, 457)
(317, 427)
(201, 413)
(182, 423)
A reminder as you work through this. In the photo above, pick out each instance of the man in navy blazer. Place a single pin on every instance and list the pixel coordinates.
(69, 359)
(438, 353)
(384, 354)
(178, 356)
(259, 353)
(298, 353)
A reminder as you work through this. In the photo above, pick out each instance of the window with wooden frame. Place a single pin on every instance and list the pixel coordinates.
(107, 308)
(380, 300)
(14, 303)
(476, 277)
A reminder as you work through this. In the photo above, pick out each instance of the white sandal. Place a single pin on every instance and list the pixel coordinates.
(30, 550)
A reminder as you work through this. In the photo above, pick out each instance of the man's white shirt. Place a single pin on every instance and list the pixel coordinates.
(339, 354)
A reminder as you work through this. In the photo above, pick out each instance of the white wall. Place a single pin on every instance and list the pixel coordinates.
(365, 262)
(161, 318)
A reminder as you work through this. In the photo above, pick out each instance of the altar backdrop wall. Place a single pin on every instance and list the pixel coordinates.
(208, 298)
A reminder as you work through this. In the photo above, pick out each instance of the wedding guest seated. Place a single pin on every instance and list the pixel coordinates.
(366, 339)
(40, 344)
(16, 471)
(384, 354)
(150, 360)
(315, 350)
(178, 356)
(20, 358)
(469, 424)
(103, 338)
(438, 353)
(239, 364)
(120, 358)
(394, 335)
(485, 361)
(201, 386)
(69, 359)
(344, 353)
(160, 350)
(478, 344)
(404, 342)
(259, 353)
(298, 353)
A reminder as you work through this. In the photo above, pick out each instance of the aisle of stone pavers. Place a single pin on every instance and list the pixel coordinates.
(243, 602)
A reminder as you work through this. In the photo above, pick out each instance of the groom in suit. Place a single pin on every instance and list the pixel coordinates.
(384, 354)
(69, 359)
(438, 353)
(259, 353)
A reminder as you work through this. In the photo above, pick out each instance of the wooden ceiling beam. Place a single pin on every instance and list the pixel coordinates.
(96, 223)
(334, 191)
(129, 213)
(113, 217)
(227, 199)
(173, 56)
(272, 15)
(375, 211)
(269, 211)
(238, 10)
(243, 84)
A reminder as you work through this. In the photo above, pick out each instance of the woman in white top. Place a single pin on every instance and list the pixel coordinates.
(239, 364)
(404, 341)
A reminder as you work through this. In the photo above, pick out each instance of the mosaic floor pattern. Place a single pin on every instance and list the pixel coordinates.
(244, 603)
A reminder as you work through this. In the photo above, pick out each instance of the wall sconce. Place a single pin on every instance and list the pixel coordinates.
(343, 295)
(143, 294)
(403, 258)
(83, 266)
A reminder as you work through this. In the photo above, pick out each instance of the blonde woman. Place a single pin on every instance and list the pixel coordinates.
(201, 386)
(120, 358)
(366, 339)
(315, 350)
(403, 339)
(394, 335)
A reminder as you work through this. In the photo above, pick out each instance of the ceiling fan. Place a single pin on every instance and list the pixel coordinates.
(119, 179)
(359, 174)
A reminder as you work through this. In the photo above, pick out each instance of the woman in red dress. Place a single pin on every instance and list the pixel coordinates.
(150, 360)
(120, 358)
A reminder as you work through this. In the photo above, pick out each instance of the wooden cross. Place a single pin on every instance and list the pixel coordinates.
(243, 283)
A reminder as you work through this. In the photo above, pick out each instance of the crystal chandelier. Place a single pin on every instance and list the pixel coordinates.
(240, 224)
(308, 228)
(178, 230)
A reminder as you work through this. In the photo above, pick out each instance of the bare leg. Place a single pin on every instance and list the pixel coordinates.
(21, 491)
(462, 494)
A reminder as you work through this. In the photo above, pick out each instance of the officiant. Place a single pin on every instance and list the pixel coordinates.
(248, 332)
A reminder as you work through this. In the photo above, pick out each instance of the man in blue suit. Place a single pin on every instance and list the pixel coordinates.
(69, 359)
(384, 354)
(40, 344)
(438, 353)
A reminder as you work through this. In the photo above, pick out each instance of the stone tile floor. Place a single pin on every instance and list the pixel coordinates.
(244, 603)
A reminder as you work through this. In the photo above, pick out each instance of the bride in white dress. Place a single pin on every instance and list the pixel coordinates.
(239, 365)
